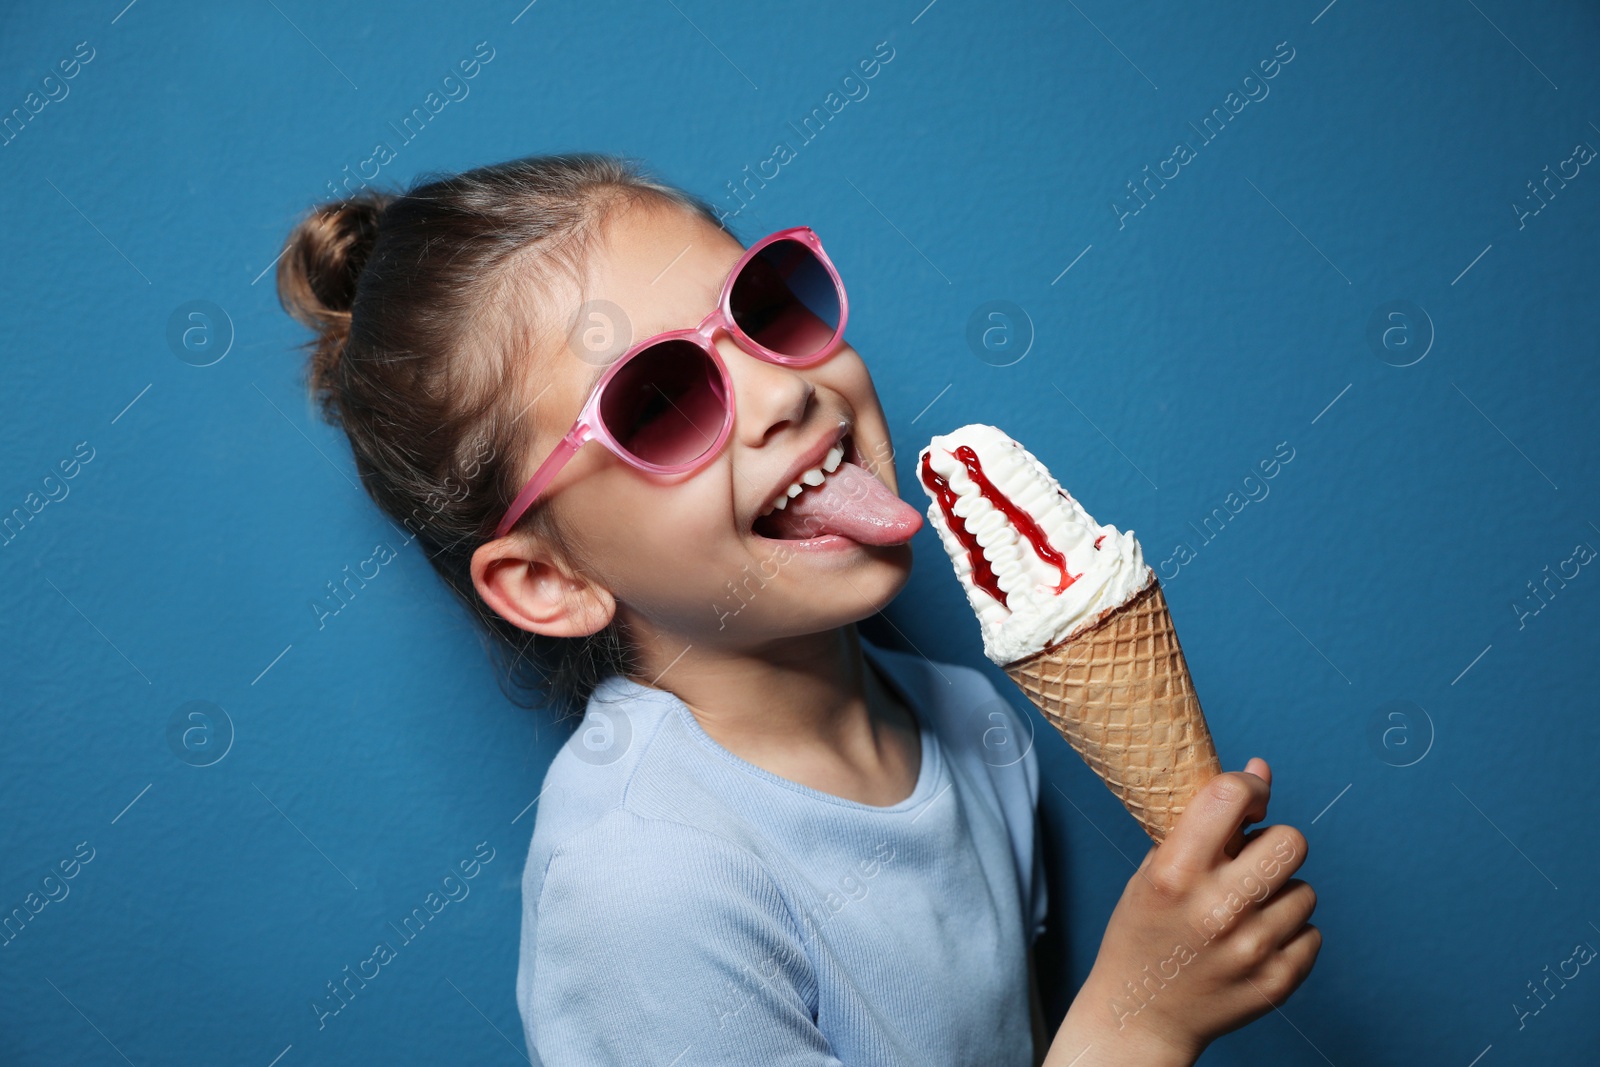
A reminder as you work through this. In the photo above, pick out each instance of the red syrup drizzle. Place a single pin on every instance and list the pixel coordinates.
(1097, 540)
(1019, 518)
(983, 575)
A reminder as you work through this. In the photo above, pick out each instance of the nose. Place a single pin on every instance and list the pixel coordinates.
(767, 396)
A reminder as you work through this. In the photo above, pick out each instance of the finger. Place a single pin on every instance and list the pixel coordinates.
(1237, 843)
(1300, 951)
(1303, 946)
(1289, 909)
(1272, 856)
(1212, 817)
(1292, 964)
(1259, 767)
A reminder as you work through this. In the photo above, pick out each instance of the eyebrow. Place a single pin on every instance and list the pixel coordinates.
(600, 372)
(715, 291)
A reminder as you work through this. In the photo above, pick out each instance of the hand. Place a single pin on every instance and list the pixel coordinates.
(1207, 936)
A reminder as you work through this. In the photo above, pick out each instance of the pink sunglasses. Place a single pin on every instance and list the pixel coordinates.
(666, 405)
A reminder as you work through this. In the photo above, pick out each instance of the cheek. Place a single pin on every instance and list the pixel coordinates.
(851, 379)
(658, 541)
(847, 373)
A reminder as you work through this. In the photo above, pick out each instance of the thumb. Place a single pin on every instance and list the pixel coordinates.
(1258, 767)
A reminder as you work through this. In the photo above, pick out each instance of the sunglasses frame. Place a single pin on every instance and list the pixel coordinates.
(589, 426)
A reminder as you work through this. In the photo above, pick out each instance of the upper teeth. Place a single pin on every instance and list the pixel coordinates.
(814, 476)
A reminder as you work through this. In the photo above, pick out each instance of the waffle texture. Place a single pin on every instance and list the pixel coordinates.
(1120, 693)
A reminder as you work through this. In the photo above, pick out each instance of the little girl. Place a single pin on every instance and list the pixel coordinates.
(768, 841)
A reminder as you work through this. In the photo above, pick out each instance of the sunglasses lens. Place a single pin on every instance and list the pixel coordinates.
(786, 300)
(667, 404)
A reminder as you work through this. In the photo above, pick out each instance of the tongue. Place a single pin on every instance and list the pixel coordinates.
(850, 501)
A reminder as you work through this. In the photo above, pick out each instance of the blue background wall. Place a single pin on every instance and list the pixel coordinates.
(1453, 846)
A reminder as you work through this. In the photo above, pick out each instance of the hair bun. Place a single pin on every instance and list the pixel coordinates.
(324, 255)
(317, 272)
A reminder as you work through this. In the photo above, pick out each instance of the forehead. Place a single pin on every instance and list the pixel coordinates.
(663, 265)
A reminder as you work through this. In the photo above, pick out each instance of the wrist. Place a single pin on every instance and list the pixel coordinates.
(1095, 1030)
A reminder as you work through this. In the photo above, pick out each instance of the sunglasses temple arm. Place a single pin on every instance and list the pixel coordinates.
(565, 449)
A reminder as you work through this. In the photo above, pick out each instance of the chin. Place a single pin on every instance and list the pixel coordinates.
(878, 581)
(852, 585)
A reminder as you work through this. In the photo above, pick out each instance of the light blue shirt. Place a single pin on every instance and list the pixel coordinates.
(682, 906)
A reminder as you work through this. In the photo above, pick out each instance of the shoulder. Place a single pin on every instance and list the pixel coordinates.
(596, 765)
(580, 809)
(653, 864)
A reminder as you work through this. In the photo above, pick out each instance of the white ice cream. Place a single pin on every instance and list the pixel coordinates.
(1035, 615)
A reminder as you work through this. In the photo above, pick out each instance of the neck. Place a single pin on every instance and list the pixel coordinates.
(790, 705)
(799, 688)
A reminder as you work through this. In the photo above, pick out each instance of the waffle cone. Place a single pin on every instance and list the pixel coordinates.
(1120, 694)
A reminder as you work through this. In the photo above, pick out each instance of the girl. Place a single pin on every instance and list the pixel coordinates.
(768, 841)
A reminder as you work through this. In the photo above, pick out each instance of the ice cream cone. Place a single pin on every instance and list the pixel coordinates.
(1070, 610)
(1119, 692)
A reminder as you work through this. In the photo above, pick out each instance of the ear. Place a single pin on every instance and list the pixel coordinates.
(527, 588)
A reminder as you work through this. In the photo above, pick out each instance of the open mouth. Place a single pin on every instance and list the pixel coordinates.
(839, 504)
(771, 523)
